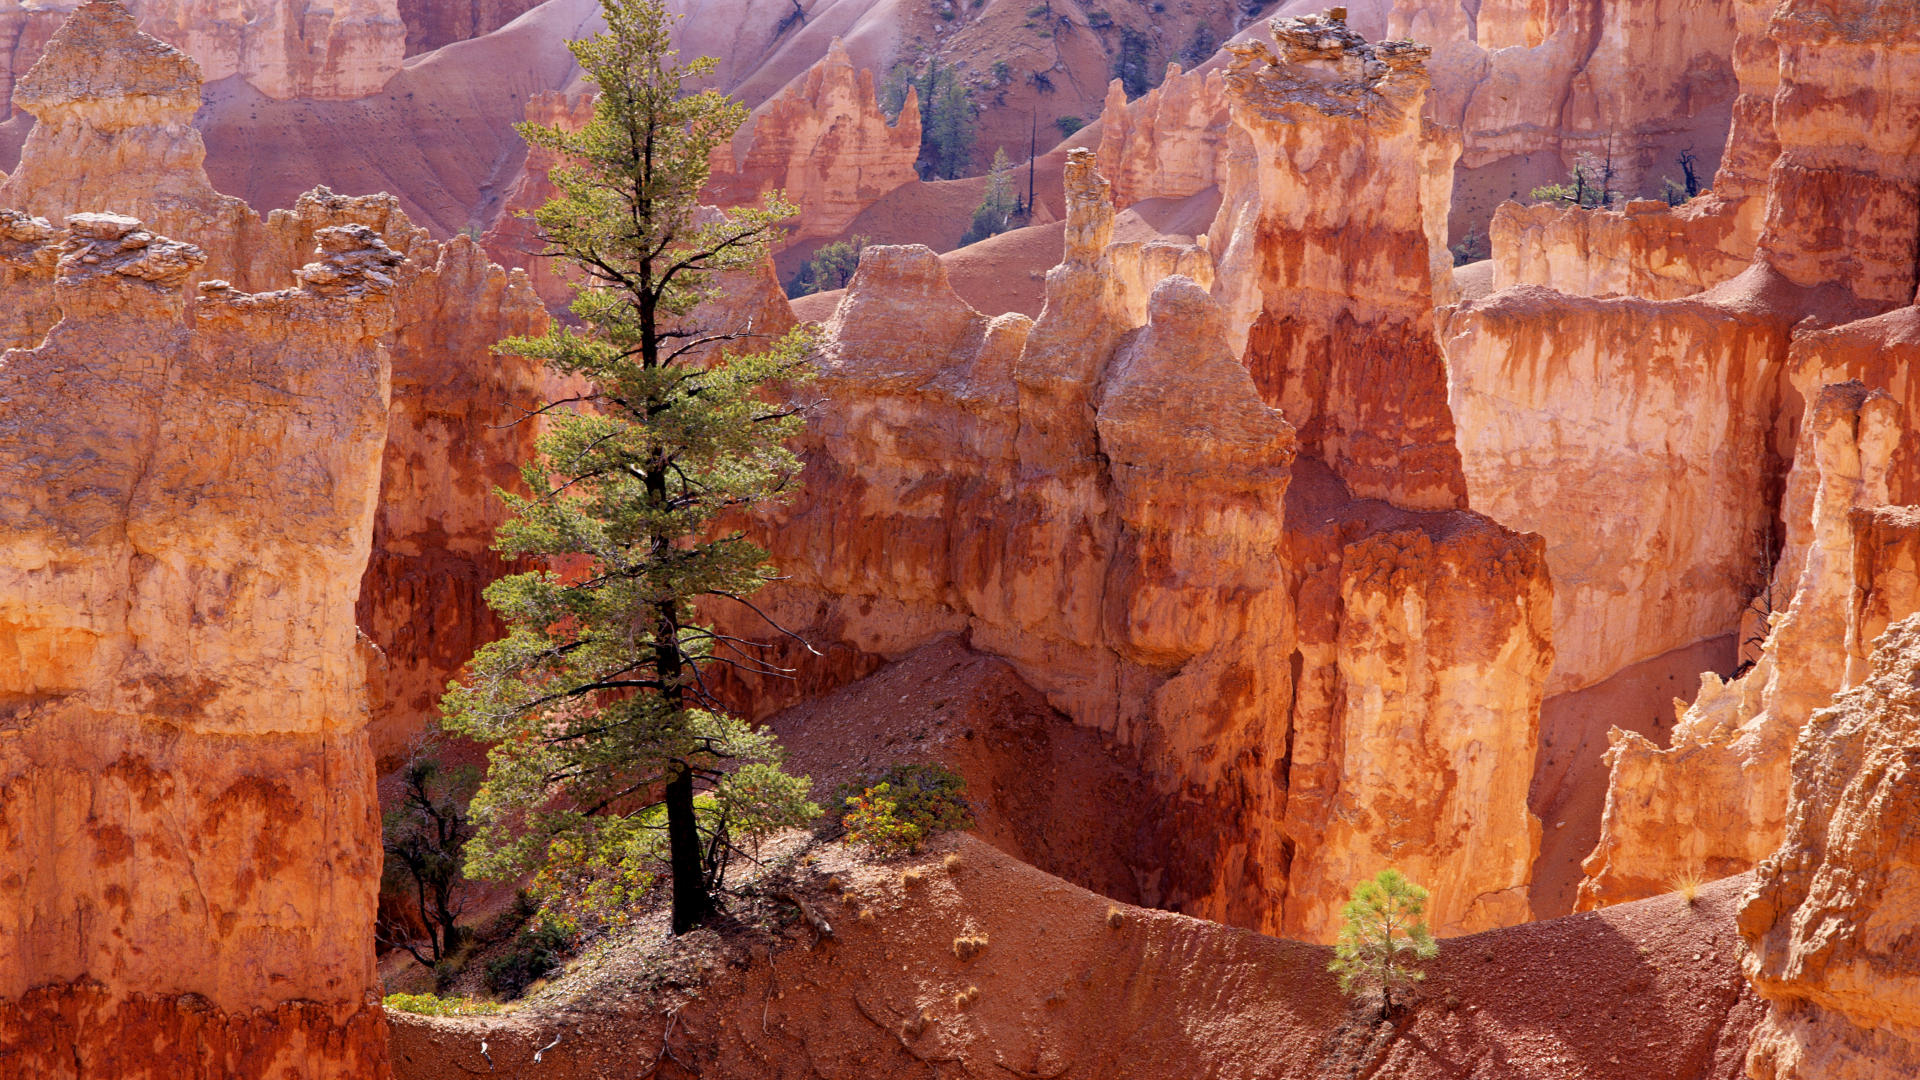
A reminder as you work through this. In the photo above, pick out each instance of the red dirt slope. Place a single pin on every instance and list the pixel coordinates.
(1643, 991)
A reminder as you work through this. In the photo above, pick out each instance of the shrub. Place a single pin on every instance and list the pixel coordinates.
(830, 267)
(429, 1005)
(999, 208)
(1069, 124)
(907, 804)
(1687, 883)
(424, 838)
(535, 953)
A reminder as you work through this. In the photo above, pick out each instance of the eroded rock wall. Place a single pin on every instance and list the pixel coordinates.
(190, 851)
(1102, 497)
(1831, 919)
(824, 141)
(1655, 512)
(1714, 802)
(1632, 79)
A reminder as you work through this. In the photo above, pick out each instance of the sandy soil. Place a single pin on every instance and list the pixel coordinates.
(1642, 991)
(1570, 781)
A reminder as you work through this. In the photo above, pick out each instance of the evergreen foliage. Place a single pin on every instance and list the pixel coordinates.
(831, 267)
(596, 701)
(999, 207)
(947, 113)
(1384, 939)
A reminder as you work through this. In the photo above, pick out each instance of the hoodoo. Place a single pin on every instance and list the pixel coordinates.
(1474, 441)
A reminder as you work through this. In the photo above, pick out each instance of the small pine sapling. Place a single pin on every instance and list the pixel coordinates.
(1384, 940)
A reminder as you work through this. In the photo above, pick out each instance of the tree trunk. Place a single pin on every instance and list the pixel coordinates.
(691, 901)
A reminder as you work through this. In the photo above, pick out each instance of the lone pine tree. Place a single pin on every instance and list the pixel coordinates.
(595, 701)
(1384, 939)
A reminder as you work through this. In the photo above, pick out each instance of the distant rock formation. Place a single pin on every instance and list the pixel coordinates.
(1830, 920)
(190, 851)
(283, 48)
(824, 141)
(1631, 81)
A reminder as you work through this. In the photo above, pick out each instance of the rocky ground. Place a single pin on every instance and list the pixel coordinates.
(1649, 989)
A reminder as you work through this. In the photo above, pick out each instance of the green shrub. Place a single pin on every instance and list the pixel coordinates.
(429, 1005)
(901, 808)
(1068, 125)
(535, 953)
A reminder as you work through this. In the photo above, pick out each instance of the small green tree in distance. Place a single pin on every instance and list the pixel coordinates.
(594, 702)
(1384, 939)
(999, 206)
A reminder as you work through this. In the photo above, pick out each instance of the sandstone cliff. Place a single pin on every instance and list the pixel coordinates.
(1170, 142)
(823, 141)
(514, 240)
(1715, 802)
(1636, 80)
(104, 92)
(190, 845)
(1331, 257)
(1829, 922)
(1101, 497)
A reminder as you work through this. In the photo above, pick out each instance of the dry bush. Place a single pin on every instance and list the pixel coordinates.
(966, 998)
(953, 863)
(911, 878)
(1687, 883)
(1115, 917)
(968, 946)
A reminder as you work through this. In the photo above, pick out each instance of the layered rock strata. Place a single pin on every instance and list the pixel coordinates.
(1645, 248)
(1714, 803)
(1831, 919)
(825, 143)
(514, 240)
(114, 131)
(1331, 254)
(106, 91)
(1101, 497)
(189, 856)
(1633, 81)
(1581, 419)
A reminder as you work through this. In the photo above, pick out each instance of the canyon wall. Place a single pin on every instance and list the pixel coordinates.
(282, 48)
(1583, 419)
(1331, 254)
(1635, 80)
(188, 827)
(1714, 803)
(1831, 919)
(1102, 497)
(105, 91)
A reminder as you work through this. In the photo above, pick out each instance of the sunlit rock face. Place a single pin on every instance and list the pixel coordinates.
(1580, 419)
(1331, 254)
(1103, 497)
(1715, 802)
(1832, 916)
(825, 143)
(190, 855)
(1623, 79)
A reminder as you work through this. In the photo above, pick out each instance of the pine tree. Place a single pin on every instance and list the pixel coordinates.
(998, 205)
(1384, 939)
(595, 701)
